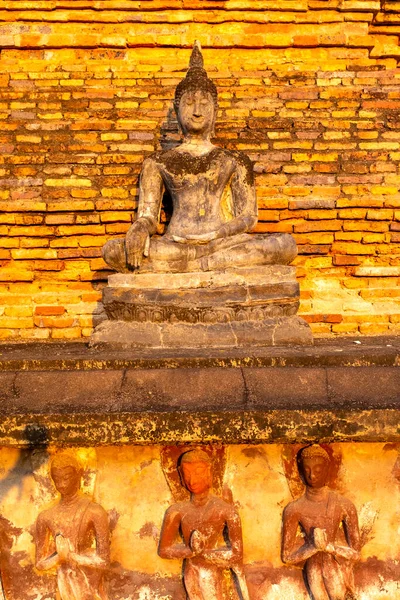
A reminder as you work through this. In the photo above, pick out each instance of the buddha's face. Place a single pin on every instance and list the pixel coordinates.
(196, 112)
(315, 472)
(196, 476)
(66, 479)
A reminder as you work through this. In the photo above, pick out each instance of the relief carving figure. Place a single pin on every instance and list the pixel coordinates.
(320, 531)
(210, 532)
(73, 536)
(213, 198)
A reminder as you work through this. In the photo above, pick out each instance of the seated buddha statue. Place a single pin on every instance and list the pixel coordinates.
(213, 199)
(207, 281)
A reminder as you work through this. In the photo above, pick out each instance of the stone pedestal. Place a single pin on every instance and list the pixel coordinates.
(241, 308)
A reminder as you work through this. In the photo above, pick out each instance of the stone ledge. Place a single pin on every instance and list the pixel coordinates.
(191, 389)
(230, 427)
(68, 394)
(76, 356)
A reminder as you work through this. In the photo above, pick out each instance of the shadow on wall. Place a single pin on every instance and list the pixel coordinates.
(30, 460)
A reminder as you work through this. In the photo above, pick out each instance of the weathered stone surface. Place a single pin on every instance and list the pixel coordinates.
(256, 482)
(53, 387)
(283, 387)
(81, 391)
(200, 279)
(364, 385)
(192, 389)
(247, 294)
(279, 331)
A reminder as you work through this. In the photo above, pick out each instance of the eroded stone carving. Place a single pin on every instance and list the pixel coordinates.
(233, 288)
(213, 197)
(73, 536)
(201, 523)
(320, 529)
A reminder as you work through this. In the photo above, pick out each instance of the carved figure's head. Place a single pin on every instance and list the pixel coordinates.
(195, 471)
(196, 97)
(66, 472)
(314, 466)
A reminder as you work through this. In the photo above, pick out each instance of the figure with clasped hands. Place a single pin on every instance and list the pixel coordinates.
(329, 524)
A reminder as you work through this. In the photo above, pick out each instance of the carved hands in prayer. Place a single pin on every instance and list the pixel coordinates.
(321, 541)
(197, 543)
(63, 548)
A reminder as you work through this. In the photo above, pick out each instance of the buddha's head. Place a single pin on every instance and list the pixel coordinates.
(195, 471)
(66, 472)
(314, 466)
(196, 98)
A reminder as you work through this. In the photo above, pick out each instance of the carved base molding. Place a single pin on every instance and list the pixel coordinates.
(273, 331)
(245, 307)
(173, 313)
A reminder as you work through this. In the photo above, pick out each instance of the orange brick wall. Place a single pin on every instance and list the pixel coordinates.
(310, 89)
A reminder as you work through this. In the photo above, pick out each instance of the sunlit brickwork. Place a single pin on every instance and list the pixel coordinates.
(310, 89)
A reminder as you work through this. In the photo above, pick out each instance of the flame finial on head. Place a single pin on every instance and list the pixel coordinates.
(196, 77)
(196, 59)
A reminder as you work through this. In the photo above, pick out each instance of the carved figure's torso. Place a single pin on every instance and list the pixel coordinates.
(209, 520)
(199, 188)
(73, 521)
(327, 515)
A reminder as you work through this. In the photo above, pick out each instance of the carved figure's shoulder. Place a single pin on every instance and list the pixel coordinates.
(243, 164)
(179, 508)
(221, 503)
(161, 157)
(345, 503)
(225, 508)
(96, 510)
(294, 507)
(46, 515)
(241, 158)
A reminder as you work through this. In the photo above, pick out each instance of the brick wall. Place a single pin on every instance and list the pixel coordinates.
(310, 89)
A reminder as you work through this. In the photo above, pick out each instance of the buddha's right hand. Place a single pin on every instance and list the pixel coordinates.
(135, 243)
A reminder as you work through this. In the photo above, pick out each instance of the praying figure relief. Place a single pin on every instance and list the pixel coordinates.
(210, 530)
(73, 536)
(328, 524)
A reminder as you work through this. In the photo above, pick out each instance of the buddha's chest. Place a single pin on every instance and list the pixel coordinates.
(209, 522)
(322, 515)
(71, 523)
(198, 176)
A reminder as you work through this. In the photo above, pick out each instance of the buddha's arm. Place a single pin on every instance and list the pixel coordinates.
(44, 560)
(243, 198)
(151, 188)
(350, 523)
(101, 558)
(167, 547)
(150, 196)
(291, 553)
(228, 556)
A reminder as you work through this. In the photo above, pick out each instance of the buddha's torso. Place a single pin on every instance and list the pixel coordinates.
(326, 514)
(199, 188)
(73, 521)
(209, 520)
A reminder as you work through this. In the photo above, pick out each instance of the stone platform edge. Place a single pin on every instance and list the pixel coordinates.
(67, 394)
(230, 427)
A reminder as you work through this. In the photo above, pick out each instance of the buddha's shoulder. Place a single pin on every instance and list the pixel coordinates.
(178, 509)
(344, 502)
(175, 156)
(295, 506)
